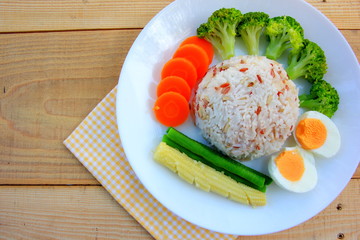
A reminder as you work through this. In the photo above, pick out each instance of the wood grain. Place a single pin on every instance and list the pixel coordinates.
(89, 212)
(73, 71)
(64, 213)
(52, 15)
(345, 14)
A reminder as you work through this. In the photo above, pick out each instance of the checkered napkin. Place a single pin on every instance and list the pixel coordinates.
(97, 145)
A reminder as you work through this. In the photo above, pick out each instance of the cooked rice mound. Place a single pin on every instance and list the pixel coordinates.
(246, 107)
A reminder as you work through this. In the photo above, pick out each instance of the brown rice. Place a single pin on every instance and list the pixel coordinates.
(246, 106)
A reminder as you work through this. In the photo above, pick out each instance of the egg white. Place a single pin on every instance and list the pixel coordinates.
(308, 180)
(333, 140)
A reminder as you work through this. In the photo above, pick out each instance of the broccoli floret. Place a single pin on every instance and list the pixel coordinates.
(309, 62)
(322, 98)
(250, 29)
(220, 31)
(284, 32)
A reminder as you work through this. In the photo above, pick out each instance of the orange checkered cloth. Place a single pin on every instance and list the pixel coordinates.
(97, 145)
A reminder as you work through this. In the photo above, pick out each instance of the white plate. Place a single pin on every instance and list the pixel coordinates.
(141, 133)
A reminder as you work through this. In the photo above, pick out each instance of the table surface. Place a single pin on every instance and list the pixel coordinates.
(58, 59)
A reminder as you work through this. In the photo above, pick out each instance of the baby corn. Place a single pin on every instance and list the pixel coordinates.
(207, 178)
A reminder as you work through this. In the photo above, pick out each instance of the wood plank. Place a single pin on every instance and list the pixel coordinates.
(64, 213)
(67, 68)
(73, 74)
(45, 15)
(343, 13)
(90, 212)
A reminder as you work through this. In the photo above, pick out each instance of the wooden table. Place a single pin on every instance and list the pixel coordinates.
(58, 59)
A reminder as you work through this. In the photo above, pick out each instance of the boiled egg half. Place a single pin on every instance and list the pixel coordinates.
(317, 133)
(293, 169)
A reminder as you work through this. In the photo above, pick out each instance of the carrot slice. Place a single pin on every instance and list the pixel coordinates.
(174, 84)
(171, 109)
(196, 55)
(207, 46)
(180, 67)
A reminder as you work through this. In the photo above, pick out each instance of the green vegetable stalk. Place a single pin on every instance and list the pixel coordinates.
(284, 32)
(322, 98)
(192, 155)
(250, 30)
(220, 31)
(309, 62)
(217, 159)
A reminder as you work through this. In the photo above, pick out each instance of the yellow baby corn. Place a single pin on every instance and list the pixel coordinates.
(207, 178)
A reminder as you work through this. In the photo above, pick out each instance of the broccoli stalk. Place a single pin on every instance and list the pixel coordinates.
(322, 98)
(220, 31)
(309, 62)
(250, 29)
(284, 32)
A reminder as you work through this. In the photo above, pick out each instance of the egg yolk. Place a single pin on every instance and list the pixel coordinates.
(311, 133)
(290, 165)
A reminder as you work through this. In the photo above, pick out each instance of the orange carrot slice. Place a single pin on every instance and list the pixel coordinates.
(196, 55)
(207, 46)
(174, 84)
(180, 67)
(171, 109)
